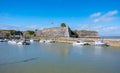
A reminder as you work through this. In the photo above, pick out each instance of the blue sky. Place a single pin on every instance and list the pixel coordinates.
(99, 15)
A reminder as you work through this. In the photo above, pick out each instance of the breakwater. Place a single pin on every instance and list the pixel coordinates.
(110, 42)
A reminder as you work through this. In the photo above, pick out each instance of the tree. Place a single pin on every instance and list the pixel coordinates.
(12, 32)
(63, 25)
(74, 33)
(30, 32)
(88, 31)
(7, 35)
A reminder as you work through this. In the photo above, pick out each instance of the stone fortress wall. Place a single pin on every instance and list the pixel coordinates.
(63, 32)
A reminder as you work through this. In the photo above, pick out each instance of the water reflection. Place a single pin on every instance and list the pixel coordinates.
(48, 58)
(56, 48)
(78, 49)
(25, 60)
(88, 50)
(98, 50)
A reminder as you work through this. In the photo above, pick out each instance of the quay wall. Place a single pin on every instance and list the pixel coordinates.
(110, 42)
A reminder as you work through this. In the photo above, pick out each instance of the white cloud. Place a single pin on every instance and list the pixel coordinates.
(19, 27)
(96, 20)
(95, 15)
(111, 29)
(109, 16)
(102, 30)
(111, 13)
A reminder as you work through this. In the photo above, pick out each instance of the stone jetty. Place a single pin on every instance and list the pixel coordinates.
(110, 42)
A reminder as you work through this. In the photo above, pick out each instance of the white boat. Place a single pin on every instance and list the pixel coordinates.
(20, 43)
(99, 43)
(31, 40)
(49, 41)
(12, 41)
(5, 40)
(79, 42)
(42, 41)
(23, 42)
(1, 40)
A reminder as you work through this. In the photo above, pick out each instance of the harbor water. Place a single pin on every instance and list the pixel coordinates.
(58, 58)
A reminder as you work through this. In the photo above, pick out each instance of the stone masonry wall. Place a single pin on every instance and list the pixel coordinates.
(54, 32)
(87, 34)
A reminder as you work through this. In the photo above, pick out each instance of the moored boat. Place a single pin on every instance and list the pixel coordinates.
(42, 41)
(49, 41)
(1, 40)
(99, 43)
(12, 41)
(31, 40)
(23, 42)
(79, 42)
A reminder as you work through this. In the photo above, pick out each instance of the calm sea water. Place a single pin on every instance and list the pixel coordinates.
(110, 37)
(58, 58)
